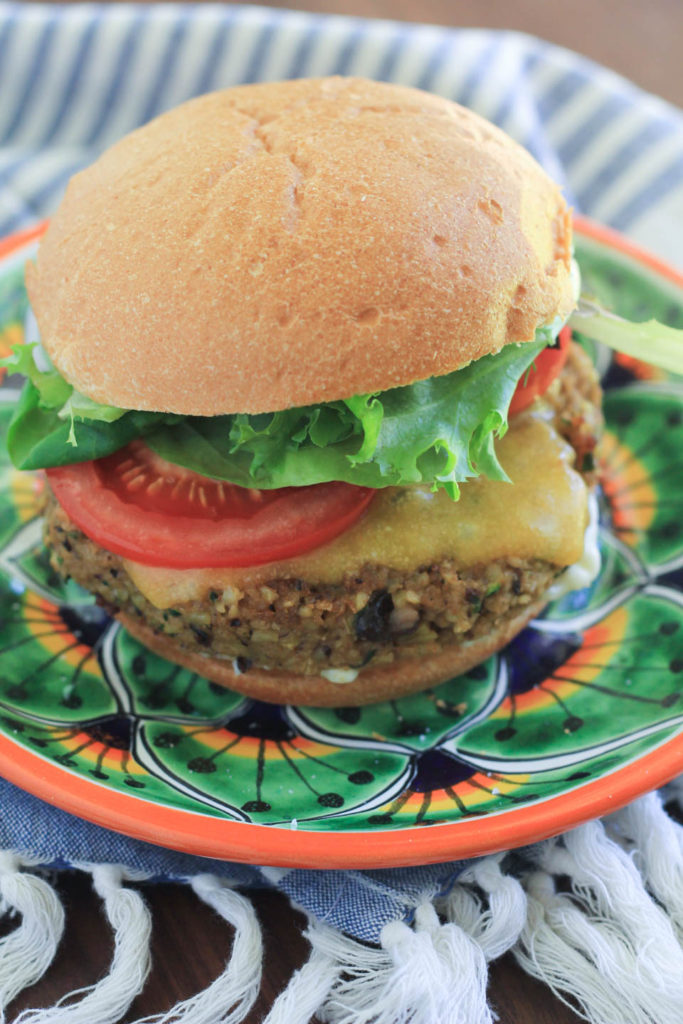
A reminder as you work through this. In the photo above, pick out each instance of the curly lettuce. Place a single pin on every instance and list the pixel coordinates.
(439, 431)
(54, 392)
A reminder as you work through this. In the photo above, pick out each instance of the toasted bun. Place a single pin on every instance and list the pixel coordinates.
(280, 244)
(386, 682)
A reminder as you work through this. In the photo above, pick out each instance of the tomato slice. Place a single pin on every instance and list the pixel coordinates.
(136, 504)
(543, 372)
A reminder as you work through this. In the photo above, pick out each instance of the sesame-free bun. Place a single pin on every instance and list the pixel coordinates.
(279, 244)
(385, 682)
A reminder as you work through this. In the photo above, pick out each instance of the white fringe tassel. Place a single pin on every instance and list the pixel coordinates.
(432, 971)
(27, 952)
(108, 1000)
(230, 997)
(606, 944)
(307, 990)
(494, 928)
(422, 974)
(598, 917)
(655, 842)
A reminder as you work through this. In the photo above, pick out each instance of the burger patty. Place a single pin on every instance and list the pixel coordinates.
(575, 396)
(375, 614)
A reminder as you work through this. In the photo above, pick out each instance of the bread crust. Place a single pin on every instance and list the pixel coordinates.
(373, 684)
(280, 244)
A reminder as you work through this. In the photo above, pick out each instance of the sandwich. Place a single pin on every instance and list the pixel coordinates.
(312, 421)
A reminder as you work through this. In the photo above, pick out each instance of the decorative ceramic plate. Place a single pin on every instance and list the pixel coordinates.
(580, 714)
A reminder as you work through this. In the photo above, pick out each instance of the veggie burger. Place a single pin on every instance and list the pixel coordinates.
(311, 421)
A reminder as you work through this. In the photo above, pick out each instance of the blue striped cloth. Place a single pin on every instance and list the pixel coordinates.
(74, 79)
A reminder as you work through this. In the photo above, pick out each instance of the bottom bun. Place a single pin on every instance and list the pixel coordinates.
(373, 684)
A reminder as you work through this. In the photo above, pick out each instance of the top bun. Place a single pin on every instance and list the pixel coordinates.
(289, 243)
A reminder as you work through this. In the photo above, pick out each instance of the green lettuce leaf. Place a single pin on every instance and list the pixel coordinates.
(54, 392)
(81, 407)
(39, 437)
(649, 341)
(52, 389)
(439, 431)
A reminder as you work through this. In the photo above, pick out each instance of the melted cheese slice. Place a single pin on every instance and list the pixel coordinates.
(542, 514)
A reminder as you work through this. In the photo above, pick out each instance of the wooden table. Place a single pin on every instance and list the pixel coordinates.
(641, 41)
